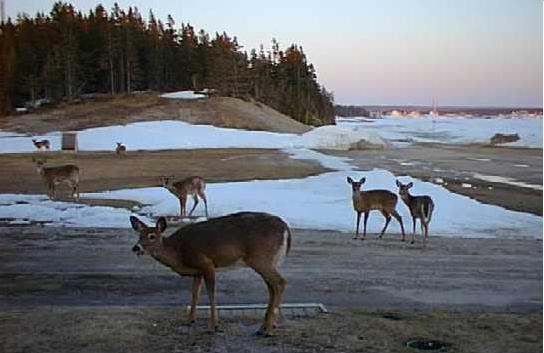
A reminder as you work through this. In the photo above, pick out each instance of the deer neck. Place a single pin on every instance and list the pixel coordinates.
(407, 198)
(165, 254)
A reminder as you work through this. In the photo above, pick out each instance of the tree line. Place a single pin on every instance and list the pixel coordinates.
(65, 54)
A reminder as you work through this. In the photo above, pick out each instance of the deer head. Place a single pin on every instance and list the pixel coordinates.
(149, 237)
(356, 185)
(404, 188)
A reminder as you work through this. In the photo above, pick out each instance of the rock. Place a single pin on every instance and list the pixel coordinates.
(503, 138)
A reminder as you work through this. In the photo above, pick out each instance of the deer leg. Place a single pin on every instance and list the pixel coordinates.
(195, 202)
(203, 197)
(209, 278)
(399, 219)
(276, 285)
(195, 293)
(387, 220)
(357, 226)
(414, 220)
(182, 207)
(365, 219)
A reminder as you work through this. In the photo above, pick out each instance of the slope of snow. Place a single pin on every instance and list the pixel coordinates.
(449, 129)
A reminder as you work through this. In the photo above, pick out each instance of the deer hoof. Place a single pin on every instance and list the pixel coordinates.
(263, 333)
(412, 242)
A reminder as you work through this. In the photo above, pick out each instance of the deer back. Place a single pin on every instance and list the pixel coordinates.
(189, 186)
(61, 173)
(364, 201)
(248, 236)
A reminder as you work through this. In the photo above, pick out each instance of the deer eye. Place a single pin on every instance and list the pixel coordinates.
(151, 237)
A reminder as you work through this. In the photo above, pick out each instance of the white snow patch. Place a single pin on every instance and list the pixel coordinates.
(183, 95)
(466, 185)
(24, 209)
(506, 180)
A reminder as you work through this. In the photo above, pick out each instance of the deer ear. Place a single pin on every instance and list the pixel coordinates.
(136, 224)
(362, 181)
(410, 184)
(350, 181)
(161, 224)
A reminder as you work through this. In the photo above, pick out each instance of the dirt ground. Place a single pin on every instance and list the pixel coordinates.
(66, 290)
(106, 171)
(457, 164)
(217, 111)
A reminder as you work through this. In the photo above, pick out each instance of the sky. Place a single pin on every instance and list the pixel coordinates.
(461, 52)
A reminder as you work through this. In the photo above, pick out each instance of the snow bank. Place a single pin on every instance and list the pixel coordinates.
(449, 129)
(183, 95)
(324, 202)
(38, 208)
(168, 134)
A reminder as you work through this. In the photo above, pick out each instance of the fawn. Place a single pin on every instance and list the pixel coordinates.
(43, 144)
(194, 186)
(52, 176)
(120, 149)
(420, 207)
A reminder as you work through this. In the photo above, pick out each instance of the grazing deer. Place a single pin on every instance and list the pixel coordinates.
(41, 144)
(420, 207)
(366, 201)
(120, 149)
(251, 239)
(194, 186)
(55, 175)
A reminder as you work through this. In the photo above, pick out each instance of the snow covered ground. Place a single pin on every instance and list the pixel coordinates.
(324, 202)
(449, 129)
(23, 209)
(317, 202)
(169, 134)
(183, 95)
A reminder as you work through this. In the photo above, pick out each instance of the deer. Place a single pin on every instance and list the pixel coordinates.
(120, 149)
(52, 176)
(193, 185)
(365, 201)
(420, 207)
(259, 241)
(43, 144)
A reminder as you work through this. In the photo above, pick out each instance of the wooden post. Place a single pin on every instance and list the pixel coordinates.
(69, 141)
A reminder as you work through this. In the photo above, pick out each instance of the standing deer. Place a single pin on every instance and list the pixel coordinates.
(120, 149)
(366, 201)
(420, 207)
(255, 240)
(194, 186)
(41, 144)
(52, 176)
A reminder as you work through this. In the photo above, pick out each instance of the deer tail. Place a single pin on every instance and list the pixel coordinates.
(288, 231)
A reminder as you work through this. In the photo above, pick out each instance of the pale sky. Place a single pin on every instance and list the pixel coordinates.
(462, 52)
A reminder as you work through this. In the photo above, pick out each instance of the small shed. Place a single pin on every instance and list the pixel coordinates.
(69, 141)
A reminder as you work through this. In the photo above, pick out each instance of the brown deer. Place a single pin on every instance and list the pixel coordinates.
(120, 149)
(43, 144)
(420, 207)
(199, 250)
(52, 176)
(366, 201)
(194, 186)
